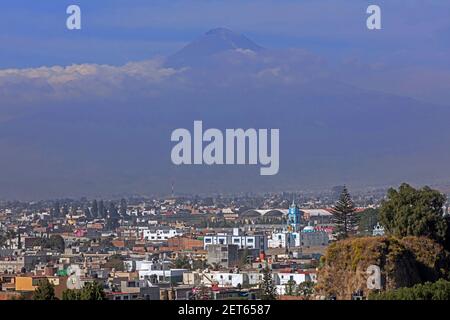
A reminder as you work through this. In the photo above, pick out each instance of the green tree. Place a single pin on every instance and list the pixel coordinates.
(367, 221)
(244, 259)
(305, 289)
(94, 209)
(92, 291)
(199, 264)
(414, 212)
(44, 291)
(267, 286)
(71, 294)
(55, 242)
(344, 216)
(291, 286)
(182, 262)
(101, 210)
(439, 290)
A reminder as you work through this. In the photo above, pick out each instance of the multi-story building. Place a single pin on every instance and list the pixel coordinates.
(255, 241)
(308, 237)
(225, 255)
(155, 271)
(159, 234)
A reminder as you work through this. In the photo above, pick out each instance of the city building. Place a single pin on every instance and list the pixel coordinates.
(255, 241)
(225, 255)
(159, 234)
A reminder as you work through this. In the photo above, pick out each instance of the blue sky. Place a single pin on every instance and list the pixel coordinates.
(117, 31)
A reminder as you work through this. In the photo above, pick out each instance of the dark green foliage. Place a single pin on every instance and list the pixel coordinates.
(101, 210)
(94, 209)
(71, 294)
(367, 221)
(414, 212)
(305, 289)
(113, 217)
(245, 258)
(182, 262)
(344, 216)
(44, 291)
(439, 290)
(199, 264)
(291, 286)
(90, 291)
(267, 286)
(55, 242)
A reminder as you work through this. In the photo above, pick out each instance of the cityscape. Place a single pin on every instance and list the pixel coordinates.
(224, 157)
(244, 247)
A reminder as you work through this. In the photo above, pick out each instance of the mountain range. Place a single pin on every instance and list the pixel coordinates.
(105, 131)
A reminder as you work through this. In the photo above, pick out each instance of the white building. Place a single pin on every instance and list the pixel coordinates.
(280, 239)
(257, 241)
(254, 278)
(159, 234)
(234, 280)
(308, 237)
(222, 279)
(154, 271)
(282, 279)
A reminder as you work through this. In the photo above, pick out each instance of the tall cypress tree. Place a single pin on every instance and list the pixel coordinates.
(101, 210)
(344, 216)
(267, 286)
(94, 209)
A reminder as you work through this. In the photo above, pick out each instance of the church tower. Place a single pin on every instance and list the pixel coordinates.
(294, 217)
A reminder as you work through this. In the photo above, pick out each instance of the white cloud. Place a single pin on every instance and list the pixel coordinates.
(79, 80)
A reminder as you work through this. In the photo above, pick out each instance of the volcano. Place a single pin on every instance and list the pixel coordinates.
(211, 43)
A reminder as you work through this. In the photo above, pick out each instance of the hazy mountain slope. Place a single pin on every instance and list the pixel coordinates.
(331, 133)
